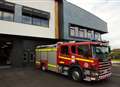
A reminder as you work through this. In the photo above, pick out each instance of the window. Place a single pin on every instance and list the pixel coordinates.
(35, 17)
(64, 50)
(36, 21)
(7, 11)
(32, 57)
(89, 34)
(8, 16)
(73, 49)
(76, 32)
(44, 22)
(25, 56)
(83, 50)
(81, 33)
(72, 31)
(40, 21)
(97, 36)
(0, 15)
(26, 19)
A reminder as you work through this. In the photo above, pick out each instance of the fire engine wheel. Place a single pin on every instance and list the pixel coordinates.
(76, 74)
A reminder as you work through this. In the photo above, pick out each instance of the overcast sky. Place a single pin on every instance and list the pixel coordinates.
(109, 11)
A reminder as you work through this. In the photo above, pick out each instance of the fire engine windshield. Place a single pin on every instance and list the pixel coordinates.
(100, 52)
(84, 50)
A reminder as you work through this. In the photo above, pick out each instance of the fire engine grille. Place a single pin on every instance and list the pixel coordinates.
(104, 68)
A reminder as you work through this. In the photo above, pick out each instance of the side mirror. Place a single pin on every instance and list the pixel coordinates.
(109, 49)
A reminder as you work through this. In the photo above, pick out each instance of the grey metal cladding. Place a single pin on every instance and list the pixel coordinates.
(76, 15)
(44, 55)
(52, 57)
(18, 13)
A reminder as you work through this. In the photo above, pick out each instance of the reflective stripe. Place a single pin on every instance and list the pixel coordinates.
(47, 49)
(51, 65)
(64, 58)
(86, 60)
(61, 62)
(80, 59)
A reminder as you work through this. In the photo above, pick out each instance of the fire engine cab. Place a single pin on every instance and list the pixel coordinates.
(79, 60)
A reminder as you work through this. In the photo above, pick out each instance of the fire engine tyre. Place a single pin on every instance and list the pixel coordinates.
(76, 74)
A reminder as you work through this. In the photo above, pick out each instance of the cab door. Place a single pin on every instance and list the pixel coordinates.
(84, 51)
(64, 55)
(29, 58)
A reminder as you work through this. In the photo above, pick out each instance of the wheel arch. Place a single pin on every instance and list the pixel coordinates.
(73, 66)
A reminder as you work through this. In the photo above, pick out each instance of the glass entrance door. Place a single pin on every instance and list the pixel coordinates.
(5, 51)
(29, 58)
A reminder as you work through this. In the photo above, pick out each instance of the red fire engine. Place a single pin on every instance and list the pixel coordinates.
(80, 60)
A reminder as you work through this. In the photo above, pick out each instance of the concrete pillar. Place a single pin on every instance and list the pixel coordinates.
(16, 56)
(18, 13)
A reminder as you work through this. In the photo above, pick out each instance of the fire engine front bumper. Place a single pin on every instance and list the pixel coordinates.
(105, 76)
(94, 76)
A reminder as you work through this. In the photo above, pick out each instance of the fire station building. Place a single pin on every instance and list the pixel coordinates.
(25, 24)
